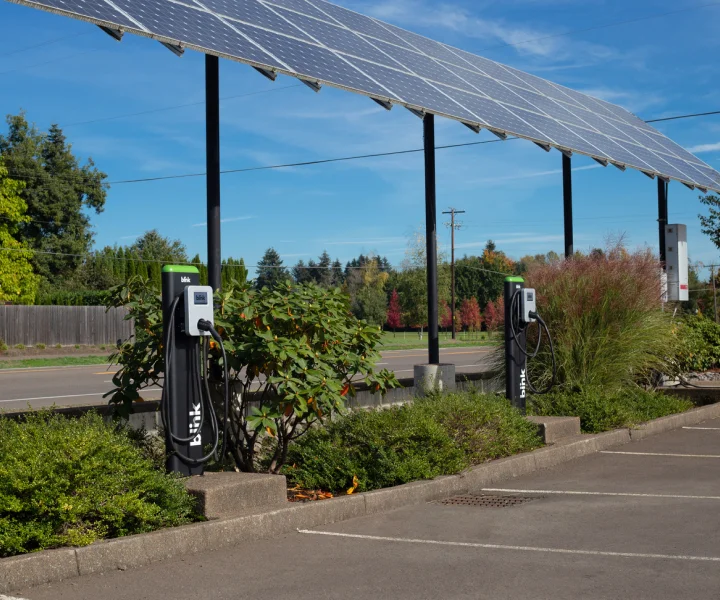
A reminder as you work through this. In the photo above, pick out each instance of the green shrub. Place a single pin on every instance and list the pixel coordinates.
(700, 344)
(77, 346)
(70, 482)
(71, 298)
(40, 346)
(19, 346)
(58, 346)
(600, 410)
(439, 435)
(3, 345)
(486, 427)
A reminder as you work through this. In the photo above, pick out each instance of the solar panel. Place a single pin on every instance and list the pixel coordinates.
(326, 44)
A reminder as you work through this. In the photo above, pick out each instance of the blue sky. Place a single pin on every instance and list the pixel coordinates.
(512, 191)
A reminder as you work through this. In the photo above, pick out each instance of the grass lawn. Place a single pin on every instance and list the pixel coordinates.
(409, 340)
(60, 361)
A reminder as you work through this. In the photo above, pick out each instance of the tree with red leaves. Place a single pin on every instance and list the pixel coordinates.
(470, 314)
(394, 313)
(445, 314)
(495, 314)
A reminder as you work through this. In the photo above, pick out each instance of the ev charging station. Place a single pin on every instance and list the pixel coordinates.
(520, 313)
(187, 411)
(515, 342)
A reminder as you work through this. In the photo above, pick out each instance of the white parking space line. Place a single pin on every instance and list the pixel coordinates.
(704, 428)
(660, 454)
(612, 494)
(378, 538)
(10, 598)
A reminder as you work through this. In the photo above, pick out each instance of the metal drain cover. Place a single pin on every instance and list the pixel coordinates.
(488, 501)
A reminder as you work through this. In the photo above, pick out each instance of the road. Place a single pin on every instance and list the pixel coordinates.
(637, 521)
(74, 386)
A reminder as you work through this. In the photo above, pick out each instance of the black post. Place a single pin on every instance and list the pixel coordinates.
(212, 129)
(515, 360)
(568, 206)
(662, 216)
(179, 392)
(452, 272)
(431, 240)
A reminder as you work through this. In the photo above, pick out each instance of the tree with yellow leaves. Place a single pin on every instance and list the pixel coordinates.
(18, 282)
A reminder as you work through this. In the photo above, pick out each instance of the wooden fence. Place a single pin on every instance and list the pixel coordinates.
(66, 325)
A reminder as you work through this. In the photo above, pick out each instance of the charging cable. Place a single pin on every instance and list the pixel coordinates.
(200, 381)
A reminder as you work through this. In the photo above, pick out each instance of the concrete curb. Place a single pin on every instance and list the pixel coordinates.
(135, 551)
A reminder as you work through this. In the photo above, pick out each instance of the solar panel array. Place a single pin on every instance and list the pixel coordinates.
(323, 43)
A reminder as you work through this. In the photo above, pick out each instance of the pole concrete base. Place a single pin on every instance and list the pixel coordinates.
(431, 378)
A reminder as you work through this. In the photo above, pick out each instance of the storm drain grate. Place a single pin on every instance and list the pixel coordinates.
(488, 501)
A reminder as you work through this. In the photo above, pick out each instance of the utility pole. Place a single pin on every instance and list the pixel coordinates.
(453, 226)
(712, 276)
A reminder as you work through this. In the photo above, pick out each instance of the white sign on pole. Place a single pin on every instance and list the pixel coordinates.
(676, 261)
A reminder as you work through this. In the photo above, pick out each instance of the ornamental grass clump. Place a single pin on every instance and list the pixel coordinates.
(70, 482)
(605, 315)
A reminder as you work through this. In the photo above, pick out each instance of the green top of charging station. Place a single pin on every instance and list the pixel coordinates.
(514, 280)
(180, 269)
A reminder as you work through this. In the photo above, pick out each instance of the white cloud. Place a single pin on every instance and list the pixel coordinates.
(699, 149)
(229, 220)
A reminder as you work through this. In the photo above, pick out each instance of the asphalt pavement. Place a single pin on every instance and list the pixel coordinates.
(638, 521)
(77, 386)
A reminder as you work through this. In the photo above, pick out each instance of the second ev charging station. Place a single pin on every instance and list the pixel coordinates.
(520, 313)
(192, 431)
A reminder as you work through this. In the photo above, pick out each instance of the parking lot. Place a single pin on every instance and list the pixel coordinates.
(638, 521)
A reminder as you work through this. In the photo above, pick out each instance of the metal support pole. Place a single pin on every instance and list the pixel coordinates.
(431, 239)
(452, 274)
(662, 216)
(212, 131)
(568, 206)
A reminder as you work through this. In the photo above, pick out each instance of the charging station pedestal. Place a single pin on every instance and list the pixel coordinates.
(515, 360)
(180, 387)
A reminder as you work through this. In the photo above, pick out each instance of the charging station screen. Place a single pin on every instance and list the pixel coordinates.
(201, 298)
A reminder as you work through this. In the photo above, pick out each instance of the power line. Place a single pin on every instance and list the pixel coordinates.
(705, 114)
(47, 62)
(45, 43)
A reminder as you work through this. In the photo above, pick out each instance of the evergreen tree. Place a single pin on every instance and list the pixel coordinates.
(300, 273)
(338, 277)
(324, 273)
(270, 270)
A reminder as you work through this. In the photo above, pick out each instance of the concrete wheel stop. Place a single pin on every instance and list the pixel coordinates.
(231, 494)
(554, 429)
